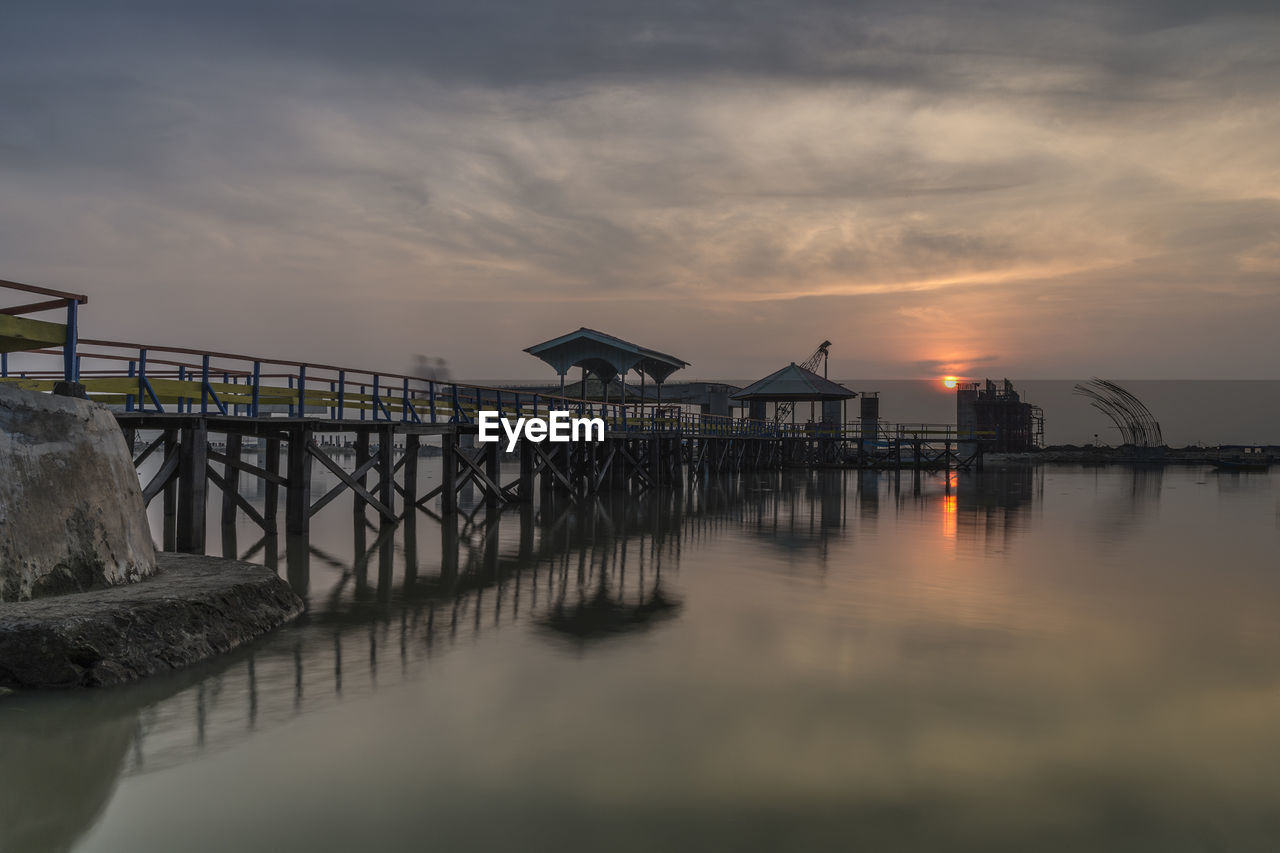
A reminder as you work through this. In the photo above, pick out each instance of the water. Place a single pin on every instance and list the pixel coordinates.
(1030, 658)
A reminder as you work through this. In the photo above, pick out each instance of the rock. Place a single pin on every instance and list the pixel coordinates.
(71, 512)
(192, 608)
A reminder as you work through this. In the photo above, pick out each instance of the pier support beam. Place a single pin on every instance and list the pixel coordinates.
(412, 442)
(169, 495)
(297, 504)
(527, 468)
(193, 487)
(449, 475)
(231, 481)
(387, 467)
(362, 456)
(492, 463)
(270, 490)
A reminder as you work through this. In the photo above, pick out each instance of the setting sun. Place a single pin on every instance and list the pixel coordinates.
(950, 381)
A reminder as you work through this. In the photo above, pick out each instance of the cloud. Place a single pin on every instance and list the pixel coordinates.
(1032, 173)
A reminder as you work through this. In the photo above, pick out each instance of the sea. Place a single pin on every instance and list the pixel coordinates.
(1033, 657)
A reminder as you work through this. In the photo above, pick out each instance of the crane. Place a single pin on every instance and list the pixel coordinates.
(782, 410)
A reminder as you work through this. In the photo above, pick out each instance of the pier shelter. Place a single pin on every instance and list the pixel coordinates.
(791, 385)
(606, 357)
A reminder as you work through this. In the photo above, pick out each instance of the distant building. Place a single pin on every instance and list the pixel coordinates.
(995, 416)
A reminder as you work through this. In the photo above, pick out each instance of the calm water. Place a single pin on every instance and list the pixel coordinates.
(1022, 659)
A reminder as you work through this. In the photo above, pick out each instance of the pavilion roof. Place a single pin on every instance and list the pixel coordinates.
(605, 356)
(793, 382)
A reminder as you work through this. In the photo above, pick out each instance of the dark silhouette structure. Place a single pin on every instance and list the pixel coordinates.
(996, 417)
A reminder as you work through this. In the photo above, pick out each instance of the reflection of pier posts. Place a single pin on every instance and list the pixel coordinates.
(449, 552)
(526, 533)
(386, 560)
(410, 527)
(298, 563)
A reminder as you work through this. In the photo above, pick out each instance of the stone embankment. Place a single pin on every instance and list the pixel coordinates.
(84, 599)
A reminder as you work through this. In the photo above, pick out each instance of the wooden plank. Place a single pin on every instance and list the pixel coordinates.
(160, 479)
(22, 333)
(248, 467)
(479, 474)
(43, 291)
(548, 464)
(150, 448)
(234, 495)
(34, 307)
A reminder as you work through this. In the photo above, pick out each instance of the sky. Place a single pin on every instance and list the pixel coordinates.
(1049, 190)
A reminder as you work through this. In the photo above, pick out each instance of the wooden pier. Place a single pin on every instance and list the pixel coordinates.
(189, 414)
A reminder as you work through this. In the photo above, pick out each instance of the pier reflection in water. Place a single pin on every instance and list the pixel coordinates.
(974, 660)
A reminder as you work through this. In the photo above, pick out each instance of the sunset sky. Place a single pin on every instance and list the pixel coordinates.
(1028, 189)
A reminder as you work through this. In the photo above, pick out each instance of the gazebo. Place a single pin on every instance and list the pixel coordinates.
(606, 357)
(788, 386)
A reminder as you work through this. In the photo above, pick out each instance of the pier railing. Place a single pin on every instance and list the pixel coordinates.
(20, 333)
(146, 379)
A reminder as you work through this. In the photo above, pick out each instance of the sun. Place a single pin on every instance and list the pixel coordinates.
(950, 381)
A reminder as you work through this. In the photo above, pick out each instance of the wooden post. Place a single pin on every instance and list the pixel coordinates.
(449, 483)
(297, 501)
(410, 480)
(271, 491)
(169, 535)
(526, 471)
(491, 468)
(230, 482)
(387, 467)
(362, 456)
(193, 485)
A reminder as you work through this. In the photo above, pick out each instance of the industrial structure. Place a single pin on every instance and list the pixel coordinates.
(995, 418)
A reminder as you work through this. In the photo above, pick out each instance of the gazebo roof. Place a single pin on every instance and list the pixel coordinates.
(605, 356)
(793, 382)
